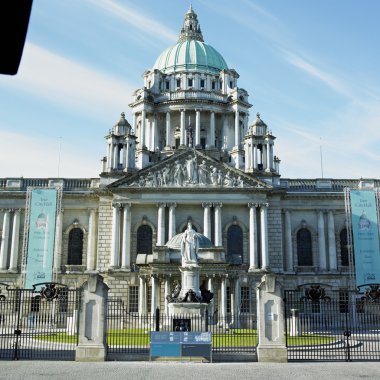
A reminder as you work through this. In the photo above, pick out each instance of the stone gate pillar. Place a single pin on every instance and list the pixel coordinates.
(270, 321)
(92, 321)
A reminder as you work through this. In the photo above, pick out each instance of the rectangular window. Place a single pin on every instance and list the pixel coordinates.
(149, 299)
(202, 83)
(133, 304)
(343, 301)
(213, 85)
(167, 85)
(190, 82)
(228, 291)
(178, 82)
(244, 299)
(231, 84)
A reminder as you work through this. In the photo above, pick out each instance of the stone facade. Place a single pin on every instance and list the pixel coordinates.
(189, 154)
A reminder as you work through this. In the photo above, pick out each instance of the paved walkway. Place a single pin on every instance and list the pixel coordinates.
(41, 370)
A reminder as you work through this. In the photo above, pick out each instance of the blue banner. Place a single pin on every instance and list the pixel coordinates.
(365, 232)
(42, 211)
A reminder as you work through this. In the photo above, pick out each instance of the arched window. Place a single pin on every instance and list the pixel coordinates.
(75, 253)
(343, 248)
(304, 251)
(235, 244)
(144, 239)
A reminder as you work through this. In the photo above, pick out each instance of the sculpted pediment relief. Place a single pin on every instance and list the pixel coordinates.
(190, 170)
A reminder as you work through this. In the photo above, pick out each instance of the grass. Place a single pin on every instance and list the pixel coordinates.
(232, 338)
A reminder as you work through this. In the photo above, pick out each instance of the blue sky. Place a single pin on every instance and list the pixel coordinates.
(311, 69)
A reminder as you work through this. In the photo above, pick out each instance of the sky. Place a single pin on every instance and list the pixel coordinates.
(311, 69)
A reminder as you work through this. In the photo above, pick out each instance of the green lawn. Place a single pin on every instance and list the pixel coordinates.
(232, 338)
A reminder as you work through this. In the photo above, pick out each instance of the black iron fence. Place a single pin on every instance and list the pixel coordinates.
(330, 325)
(39, 323)
(129, 333)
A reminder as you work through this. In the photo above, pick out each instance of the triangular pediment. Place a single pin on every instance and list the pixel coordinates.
(190, 169)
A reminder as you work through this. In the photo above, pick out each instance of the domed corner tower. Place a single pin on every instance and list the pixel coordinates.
(190, 98)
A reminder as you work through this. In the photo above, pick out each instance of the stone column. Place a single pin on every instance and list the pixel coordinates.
(223, 300)
(172, 222)
(255, 158)
(154, 133)
(268, 167)
(91, 243)
(161, 224)
(126, 247)
(142, 295)
(197, 128)
(253, 258)
(264, 236)
(143, 129)
(15, 241)
(153, 305)
(115, 244)
(235, 305)
(207, 219)
(92, 334)
(288, 242)
(211, 144)
(58, 242)
(270, 323)
(218, 224)
(331, 237)
(115, 156)
(5, 240)
(210, 287)
(182, 140)
(168, 144)
(167, 293)
(264, 156)
(237, 132)
(321, 241)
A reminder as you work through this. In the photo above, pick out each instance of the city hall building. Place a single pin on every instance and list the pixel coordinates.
(193, 151)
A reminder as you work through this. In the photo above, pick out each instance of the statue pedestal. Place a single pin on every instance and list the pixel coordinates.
(190, 280)
(189, 315)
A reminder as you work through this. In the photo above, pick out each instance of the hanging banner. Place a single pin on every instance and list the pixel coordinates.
(365, 232)
(39, 266)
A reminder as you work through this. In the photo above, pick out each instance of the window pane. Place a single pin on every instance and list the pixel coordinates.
(75, 247)
(304, 251)
(235, 244)
(133, 305)
(144, 239)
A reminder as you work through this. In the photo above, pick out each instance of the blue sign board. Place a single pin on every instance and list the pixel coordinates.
(39, 267)
(365, 230)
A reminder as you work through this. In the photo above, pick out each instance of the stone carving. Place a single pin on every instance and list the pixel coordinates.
(189, 296)
(191, 172)
(189, 246)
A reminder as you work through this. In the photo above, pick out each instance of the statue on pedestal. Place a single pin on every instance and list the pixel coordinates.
(189, 246)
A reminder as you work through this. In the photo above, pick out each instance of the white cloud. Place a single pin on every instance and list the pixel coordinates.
(140, 21)
(71, 84)
(311, 69)
(39, 157)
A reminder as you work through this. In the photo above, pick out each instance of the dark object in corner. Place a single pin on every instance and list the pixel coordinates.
(14, 21)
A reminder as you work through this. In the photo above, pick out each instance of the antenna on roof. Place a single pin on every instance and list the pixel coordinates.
(320, 151)
(59, 153)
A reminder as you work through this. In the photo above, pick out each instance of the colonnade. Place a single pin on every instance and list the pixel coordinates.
(10, 240)
(256, 155)
(148, 129)
(323, 255)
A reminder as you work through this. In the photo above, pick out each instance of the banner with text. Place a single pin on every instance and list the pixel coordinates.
(42, 212)
(365, 232)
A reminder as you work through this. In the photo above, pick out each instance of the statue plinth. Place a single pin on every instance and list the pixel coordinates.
(190, 279)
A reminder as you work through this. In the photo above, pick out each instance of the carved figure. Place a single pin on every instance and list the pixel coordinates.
(202, 173)
(220, 178)
(228, 180)
(189, 246)
(240, 182)
(165, 175)
(214, 176)
(178, 173)
(191, 169)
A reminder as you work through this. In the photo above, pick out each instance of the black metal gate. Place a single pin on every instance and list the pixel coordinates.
(39, 323)
(326, 325)
(128, 334)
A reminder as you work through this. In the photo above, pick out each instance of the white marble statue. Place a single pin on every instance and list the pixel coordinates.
(189, 246)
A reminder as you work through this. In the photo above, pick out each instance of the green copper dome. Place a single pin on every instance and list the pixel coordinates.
(190, 52)
(190, 55)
